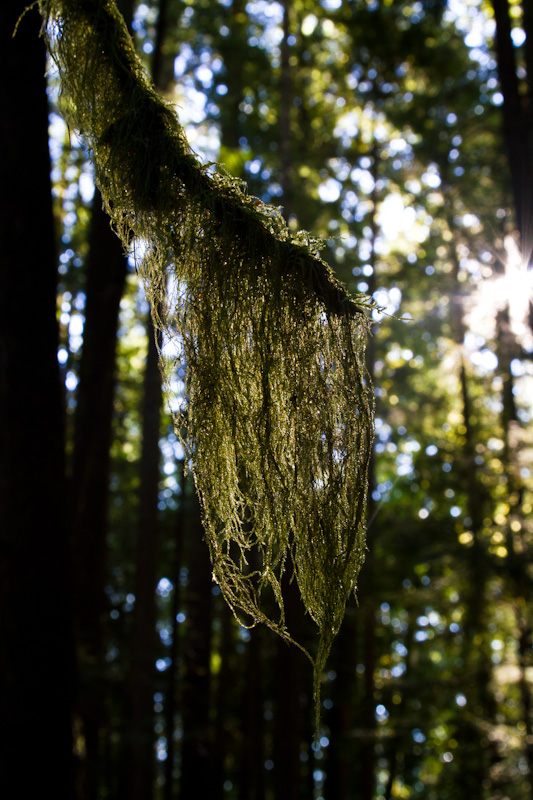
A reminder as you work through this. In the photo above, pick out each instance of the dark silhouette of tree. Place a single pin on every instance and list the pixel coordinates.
(36, 665)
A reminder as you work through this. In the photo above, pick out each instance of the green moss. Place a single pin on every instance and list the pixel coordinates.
(278, 422)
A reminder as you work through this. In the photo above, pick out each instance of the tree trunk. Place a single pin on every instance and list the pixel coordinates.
(171, 675)
(105, 270)
(252, 779)
(198, 777)
(287, 712)
(515, 125)
(144, 638)
(286, 99)
(36, 663)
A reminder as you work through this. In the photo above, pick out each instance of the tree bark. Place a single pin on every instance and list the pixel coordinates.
(517, 131)
(36, 662)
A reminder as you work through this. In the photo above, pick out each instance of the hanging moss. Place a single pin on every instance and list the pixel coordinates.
(278, 420)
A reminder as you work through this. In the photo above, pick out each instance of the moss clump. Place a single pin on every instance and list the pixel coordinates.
(278, 419)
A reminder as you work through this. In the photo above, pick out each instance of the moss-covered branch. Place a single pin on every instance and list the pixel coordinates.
(278, 418)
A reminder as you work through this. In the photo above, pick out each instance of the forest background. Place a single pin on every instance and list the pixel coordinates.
(402, 133)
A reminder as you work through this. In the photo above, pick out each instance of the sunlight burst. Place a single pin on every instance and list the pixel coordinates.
(512, 289)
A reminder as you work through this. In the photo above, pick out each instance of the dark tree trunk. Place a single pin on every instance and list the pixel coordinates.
(36, 662)
(231, 126)
(341, 763)
(198, 776)
(252, 784)
(105, 271)
(144, 638)
(291, 667)
(171, 674)
(473, 750)
(286, 99)
(516, 126)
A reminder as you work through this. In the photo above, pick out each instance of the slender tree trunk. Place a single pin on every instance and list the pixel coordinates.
(231, 127)
(252, 779)
(198, 777)
(516, 126)
(286, 98)
(341, 763)
(105, 270)
(36, 661)
(473, 751)
(171, 674)
(368, 603)
(287, 713)
(144, 636)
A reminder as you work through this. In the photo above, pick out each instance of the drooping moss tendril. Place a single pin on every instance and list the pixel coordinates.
(278, 421)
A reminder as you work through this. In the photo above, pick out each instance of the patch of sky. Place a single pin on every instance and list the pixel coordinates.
(75, 332)
(393, 217)
(143, 14)
(387, 299)
(71, 381)
(268, 16)
(347, 128)
(254, 166)
(364, 179)
(383, 430)
(398, 145)
(62, 356)
(431, 178)
(476, 26)
(404, 464)
(365, 249)
(164, 587)
(182, 60)
(204, 74)
(398, 670)
(330, 190)
(57, 130)
(341, 167)
(470, 220)
(485, 360)
(265, 11)
(86, 186)
(518, 36)
(400, 648)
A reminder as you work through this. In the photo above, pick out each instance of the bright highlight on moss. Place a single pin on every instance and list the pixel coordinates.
(278, 422)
